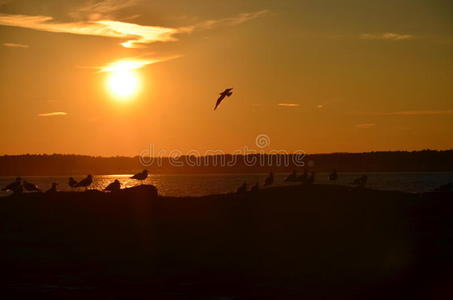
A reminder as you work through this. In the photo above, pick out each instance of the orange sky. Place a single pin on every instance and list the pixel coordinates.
(318, 76)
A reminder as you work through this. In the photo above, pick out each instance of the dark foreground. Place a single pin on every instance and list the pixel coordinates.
(318, 242)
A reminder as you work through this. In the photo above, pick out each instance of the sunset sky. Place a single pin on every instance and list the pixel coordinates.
(113, 77)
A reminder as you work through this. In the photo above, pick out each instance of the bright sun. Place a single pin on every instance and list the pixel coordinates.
(123, 83)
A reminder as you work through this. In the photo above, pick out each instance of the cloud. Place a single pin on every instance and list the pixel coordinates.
(97, 10)
(288, 104)
(418, 112)
(414, 113)
(128, 64)
(231, 21)
(136, 36)
(365, 125)
(14, 45)
(388, 36)
(53, 114)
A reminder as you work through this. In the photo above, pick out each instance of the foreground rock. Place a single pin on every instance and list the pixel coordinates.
(318, 242)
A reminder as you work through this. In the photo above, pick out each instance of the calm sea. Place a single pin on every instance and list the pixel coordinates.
(206, 184)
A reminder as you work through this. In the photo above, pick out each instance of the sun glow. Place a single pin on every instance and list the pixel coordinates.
(123, 82)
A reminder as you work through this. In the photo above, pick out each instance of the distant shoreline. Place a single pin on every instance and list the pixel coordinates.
(62, 164)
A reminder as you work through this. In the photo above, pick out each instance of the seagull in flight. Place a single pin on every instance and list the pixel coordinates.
(225, 93)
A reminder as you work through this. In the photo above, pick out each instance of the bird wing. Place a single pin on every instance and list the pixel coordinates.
(222, 96)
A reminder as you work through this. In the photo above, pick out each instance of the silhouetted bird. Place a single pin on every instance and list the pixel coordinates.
(53, 188)
(311, 178)
(445, 188)
(114, 186)
(333, 176)
(31, 187)
(86, 182)
(361, 181)
(242, 189)
(304, 178)
(141, 176)
(255, 188)
(269, 180)
(72, 182)
(225, 93)
(15, 187)
(292, 177)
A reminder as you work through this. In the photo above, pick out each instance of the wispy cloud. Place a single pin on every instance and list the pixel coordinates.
(288, 104)
(389, 36)
(365, 125)
(133, 63)
(135, 35)
(14, 45)
(231, 21)
(418, 112)
(53, 114)
(101, 9)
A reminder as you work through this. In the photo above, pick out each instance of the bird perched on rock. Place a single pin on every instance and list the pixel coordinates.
(292, 177)
(333, 176)
(242, 188)
(28, 186)
(269, 180)
(53, 188)
(114, 186)
(15, 187)
(361, 181)
(72, 182)
(86, 182)
(225, 93)
(141, 176)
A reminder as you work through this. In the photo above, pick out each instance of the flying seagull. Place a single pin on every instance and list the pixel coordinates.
(225, 93)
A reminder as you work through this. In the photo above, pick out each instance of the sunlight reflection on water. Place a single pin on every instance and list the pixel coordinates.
(206, 184)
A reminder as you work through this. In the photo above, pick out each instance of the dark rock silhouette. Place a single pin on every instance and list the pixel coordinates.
(15, 187)
(336, 244)
(141, 176)
(225, 93)
(30, 187)
(255, 188)
(114, 186)
(445, 188)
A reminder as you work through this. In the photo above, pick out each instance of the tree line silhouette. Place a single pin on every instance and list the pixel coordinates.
(69, 164)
